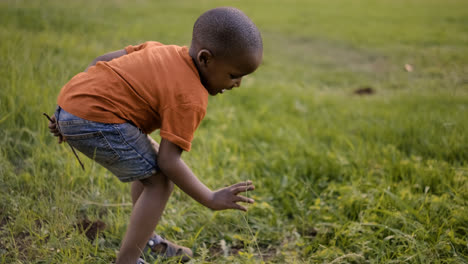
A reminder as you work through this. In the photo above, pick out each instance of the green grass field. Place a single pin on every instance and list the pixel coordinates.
(340, 177)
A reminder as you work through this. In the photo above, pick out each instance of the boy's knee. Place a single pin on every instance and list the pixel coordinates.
(158, 180)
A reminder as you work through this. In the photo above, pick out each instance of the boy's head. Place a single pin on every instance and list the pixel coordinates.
(226, 45)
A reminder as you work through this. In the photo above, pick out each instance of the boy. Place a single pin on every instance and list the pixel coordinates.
(108, 111)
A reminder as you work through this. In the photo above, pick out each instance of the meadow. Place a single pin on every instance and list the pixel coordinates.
(341, 177)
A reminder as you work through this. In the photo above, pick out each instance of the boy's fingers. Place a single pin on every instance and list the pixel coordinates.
(240, 207)
(244, 199)
(247, 183)
(244, 188)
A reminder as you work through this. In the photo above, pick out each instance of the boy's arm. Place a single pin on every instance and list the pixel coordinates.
(107, 57)
(173, 166)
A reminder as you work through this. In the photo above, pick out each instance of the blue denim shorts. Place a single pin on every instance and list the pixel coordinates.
(121, 148)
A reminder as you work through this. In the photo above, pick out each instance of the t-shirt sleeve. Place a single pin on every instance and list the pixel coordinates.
(179, 124)
(129, 49)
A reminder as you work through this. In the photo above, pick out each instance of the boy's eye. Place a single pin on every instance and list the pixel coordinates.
(234, 76)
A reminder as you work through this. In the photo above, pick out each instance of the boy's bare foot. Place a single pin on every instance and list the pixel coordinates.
(160, 247)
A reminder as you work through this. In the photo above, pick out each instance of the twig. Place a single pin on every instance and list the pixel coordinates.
(71, 147)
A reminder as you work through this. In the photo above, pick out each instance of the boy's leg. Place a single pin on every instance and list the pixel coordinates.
(157, 245)
(145, 215)
(137, 186)
(136, 189)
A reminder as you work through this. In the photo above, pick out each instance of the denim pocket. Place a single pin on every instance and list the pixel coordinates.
(95, 146)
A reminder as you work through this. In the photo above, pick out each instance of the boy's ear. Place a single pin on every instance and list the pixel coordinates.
(204, 57)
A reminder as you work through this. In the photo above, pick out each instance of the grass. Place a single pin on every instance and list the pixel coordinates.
(340, 178)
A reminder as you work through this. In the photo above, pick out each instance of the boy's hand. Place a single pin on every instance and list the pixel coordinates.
(178, 172)
(227, 198)
(54, 129)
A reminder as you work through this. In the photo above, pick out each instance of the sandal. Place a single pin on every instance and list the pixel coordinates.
(160, 247)
(141, 261)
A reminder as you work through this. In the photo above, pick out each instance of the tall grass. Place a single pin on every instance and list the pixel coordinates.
(340, 178)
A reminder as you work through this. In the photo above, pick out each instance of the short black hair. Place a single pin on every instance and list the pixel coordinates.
(226, 31)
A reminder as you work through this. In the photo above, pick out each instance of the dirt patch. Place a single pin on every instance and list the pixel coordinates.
(365, 90)
(23, 241)
(311, 233)
(90, 228)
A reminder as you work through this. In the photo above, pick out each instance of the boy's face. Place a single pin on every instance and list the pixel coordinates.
(220, 74)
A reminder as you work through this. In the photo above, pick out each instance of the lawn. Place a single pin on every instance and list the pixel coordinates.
(341, 177)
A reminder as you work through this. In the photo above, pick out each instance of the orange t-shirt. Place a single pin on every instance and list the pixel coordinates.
(154, 86)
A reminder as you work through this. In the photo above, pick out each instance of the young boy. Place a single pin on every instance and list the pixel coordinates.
(108, 111)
